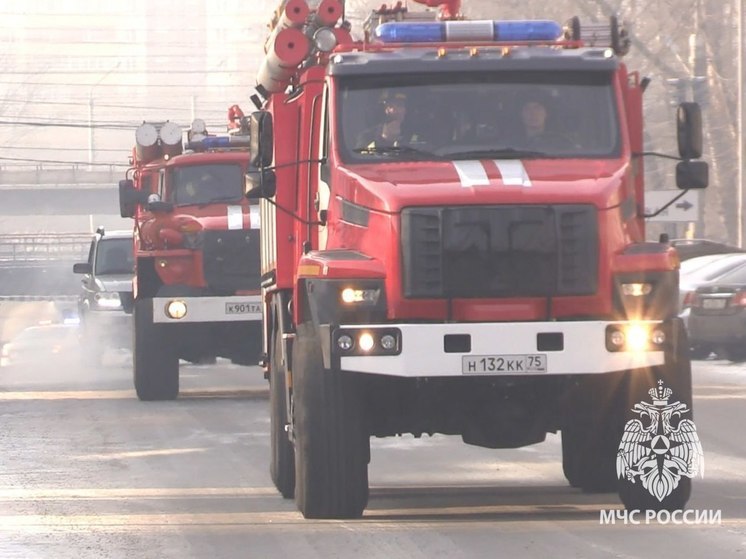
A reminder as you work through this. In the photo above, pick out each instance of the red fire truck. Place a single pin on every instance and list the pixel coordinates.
(197, 278)
(453, 242)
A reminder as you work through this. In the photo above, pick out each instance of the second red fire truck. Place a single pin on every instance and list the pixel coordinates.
(196, 286)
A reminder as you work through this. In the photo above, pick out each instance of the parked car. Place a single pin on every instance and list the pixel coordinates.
(702, 270)
(105, 299)
(717, 318)
(43, 344)
(692, 248)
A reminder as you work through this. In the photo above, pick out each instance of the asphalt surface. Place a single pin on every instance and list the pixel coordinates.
(88, 471)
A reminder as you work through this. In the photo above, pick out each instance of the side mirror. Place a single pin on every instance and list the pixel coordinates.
(82, 268)
(260, 184)
(692, 174)
(129, 198)
(689, 130)
(262, 138)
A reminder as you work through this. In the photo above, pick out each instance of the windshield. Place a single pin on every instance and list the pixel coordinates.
(475, 116)
(114, 256)
(205, 184)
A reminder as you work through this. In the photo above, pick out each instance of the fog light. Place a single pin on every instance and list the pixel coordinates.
(344, 342)
(366, 341)
(176, 309)
(658, 337)
(388, 342)
(617, 338)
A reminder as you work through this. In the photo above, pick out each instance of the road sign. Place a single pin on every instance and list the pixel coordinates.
(685, 208)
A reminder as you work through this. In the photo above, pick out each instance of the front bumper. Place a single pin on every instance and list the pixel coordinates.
(423, 349)
(237, 308)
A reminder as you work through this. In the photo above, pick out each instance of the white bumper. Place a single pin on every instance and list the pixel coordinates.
(423, 354)
(237, 308)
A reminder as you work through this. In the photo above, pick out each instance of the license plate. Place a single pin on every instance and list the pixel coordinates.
(713, 303)
(242, 308)
(505, 364)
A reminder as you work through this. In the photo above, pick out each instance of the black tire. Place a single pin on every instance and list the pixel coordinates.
(282, 462)
(570, 458)
(676, 374)
(591, 435)
(735, 353)
(699, 352)
(332, 448)
(155, 366)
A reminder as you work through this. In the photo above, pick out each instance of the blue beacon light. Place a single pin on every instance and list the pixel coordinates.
(433, 32)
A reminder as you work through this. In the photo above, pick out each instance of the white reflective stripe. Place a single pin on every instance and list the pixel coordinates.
(254, 217)
(471, 173)
(235, 217)
(423, 354)
(211, 309)
(513, 172)
(477, 30)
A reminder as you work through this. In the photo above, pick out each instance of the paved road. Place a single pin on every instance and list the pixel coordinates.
(87, 471)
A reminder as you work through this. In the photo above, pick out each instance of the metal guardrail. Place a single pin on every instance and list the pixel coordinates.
(35, 248)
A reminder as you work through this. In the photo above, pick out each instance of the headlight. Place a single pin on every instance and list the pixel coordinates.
(353, 296)
(176, 309)
(636, 289)
(636, 337)
(107, 300)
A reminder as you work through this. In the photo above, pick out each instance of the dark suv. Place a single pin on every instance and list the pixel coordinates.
(105, 300)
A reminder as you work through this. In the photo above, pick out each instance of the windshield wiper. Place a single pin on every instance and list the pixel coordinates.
(397, 150)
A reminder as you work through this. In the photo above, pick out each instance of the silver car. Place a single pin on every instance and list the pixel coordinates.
(105, 299)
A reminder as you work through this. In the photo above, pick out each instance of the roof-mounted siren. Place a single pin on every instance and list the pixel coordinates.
(288, 49)
(170, 136)
(612, 35)
(197, 130)
(393, 12)
(506, 31)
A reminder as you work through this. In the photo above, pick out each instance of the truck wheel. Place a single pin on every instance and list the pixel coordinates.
(676, 374)
(282, 463)
(155, 366)
(570, 458)
(591, 435)
(332, 448)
